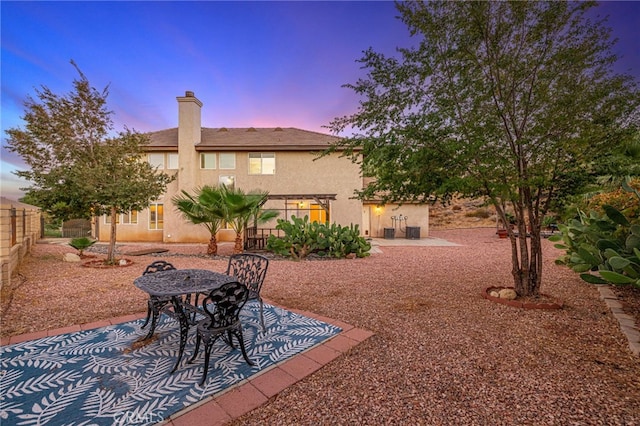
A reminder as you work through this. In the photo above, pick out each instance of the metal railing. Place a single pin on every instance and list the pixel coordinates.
(255, 239)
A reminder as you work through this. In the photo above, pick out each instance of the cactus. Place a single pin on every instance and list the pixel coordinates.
(604, 249)
(303, 238)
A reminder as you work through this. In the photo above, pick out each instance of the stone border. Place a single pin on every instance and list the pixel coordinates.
(626, 321)
(99, 264)
(518, 304)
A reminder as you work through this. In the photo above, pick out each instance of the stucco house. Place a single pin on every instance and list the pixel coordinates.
(281, 161)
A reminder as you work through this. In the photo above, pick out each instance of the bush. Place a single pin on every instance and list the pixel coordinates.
(303, 238)
(480, 213)
(81, 244)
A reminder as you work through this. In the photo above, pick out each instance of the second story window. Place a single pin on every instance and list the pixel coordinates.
(172, 160)
(156, 159)
(207, 160)
(164, 160)
(228, 160)
(262, 163)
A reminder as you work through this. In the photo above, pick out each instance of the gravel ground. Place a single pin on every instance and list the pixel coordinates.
(441, 355)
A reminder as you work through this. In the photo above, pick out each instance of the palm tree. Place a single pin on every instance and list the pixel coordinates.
(242, 207)
(207, 207)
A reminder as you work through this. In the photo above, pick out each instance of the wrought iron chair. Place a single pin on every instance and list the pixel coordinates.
(250, 269)
(222, 308)
(155, 301)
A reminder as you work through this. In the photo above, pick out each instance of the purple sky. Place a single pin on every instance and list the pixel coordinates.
(255, 64)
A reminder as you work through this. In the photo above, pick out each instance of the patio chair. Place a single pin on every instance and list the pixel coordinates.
(155, 301)
(222, 308)
(250, 269)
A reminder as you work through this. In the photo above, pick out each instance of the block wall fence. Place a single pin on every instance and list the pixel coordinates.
(20, 228)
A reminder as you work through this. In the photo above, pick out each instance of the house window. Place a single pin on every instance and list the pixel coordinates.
(156, 160)
(228, 181)
(262, 163)
(208, 160)
(159, 159)
(156, 216)
(172, 160)
(130, 218)
(228, 160)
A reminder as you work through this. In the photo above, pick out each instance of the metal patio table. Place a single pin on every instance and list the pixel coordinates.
(176, 284)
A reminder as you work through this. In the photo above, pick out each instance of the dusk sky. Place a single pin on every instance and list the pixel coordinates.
(260, 64)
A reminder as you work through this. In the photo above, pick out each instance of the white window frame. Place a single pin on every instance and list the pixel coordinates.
(172, 161)
(212, 162)
(158, 162)
(230, 157)
(154, 207)
(132, 218)
(262, 156)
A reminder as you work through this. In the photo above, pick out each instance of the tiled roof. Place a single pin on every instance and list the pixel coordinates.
(246, 139)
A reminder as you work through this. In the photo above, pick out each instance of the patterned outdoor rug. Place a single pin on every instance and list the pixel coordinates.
(105, 377)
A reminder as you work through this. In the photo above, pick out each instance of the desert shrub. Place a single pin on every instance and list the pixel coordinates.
(619, 199)
(81, 244)
(480, 213)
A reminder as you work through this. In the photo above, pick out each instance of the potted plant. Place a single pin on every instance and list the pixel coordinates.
(502, 227)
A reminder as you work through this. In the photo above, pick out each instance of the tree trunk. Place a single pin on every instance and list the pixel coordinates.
(111, 253)
(238, 247)
(527, 277)
(526, 253)
(212, 248)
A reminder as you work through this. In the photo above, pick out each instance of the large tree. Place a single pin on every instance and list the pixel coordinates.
(512, 101)
(77, 166)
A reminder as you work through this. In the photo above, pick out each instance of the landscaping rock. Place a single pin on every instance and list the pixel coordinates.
(71, 257)
(507, 293)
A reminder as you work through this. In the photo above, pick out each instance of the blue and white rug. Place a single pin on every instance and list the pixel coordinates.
(104, 377)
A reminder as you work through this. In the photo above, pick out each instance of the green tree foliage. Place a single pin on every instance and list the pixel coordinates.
(511, 101)
(76, 167)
